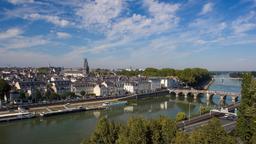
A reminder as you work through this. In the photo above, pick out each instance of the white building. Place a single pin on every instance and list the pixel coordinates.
(131, 87)
(137, 87)
(100, 90)
(73, 74)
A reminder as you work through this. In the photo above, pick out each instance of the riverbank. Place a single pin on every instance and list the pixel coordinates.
(98, 103)
(89, 105)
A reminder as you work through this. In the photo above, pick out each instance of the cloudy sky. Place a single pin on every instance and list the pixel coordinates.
(215, 34)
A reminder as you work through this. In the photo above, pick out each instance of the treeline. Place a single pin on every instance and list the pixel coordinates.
(240, 74)
(43, 70)
(191, 76)
(159, 131)
(4, 89)
(246, 124)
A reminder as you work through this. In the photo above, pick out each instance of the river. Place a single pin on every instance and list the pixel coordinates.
(73, 128)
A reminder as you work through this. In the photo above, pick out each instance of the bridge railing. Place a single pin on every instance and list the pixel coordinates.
(205, 91)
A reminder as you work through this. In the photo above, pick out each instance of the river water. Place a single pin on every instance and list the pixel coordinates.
(73, 128)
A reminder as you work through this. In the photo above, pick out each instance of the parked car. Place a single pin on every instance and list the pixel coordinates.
(230, 117)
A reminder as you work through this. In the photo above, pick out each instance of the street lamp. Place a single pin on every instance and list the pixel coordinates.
(200, 110)
(189, 111)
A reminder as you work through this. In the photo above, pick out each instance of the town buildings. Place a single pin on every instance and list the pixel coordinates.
(80, 81)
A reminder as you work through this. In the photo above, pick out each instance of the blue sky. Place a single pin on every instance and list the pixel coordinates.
(214, 34)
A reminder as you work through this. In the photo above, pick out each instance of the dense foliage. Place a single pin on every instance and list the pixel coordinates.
(191, 76)
(43, 70)
(246, 124)
(240, 74)
(4, 88)
(181, 116)
(195, 76)
(159, 131)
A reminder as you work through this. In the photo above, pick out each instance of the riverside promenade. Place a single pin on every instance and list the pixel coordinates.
(89, 103)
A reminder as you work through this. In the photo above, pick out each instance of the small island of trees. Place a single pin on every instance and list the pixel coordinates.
(194, 77)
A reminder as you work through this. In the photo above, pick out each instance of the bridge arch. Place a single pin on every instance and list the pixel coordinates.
(191, 96)
(199, 96)
(181, 95)
(173, 95)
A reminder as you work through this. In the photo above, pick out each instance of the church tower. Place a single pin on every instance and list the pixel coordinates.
(86, 67)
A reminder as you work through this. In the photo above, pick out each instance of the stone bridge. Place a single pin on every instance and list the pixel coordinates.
(209, 94)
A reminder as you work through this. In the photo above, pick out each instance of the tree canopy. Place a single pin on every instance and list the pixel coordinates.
(157, 131)
(4, 88)
(246, 124)
(191, 76)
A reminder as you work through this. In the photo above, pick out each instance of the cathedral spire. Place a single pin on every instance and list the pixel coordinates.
(86, 67)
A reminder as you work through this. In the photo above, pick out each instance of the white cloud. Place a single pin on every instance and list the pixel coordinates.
(20, 1)
(63, 35)
(100, 12)
(49, 18)
(206, 28)
(162, 18)
(13, 39)
(245, 23)
(23, 42)
(10, 33)
(160, 9)
(207, 8)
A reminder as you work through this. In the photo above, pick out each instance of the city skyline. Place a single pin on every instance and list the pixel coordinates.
(218, 35)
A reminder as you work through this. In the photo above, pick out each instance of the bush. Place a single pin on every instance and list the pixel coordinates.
(180, 116)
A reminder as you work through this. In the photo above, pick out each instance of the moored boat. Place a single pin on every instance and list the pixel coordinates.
(16, 116)
(117, 103)
(63, 111)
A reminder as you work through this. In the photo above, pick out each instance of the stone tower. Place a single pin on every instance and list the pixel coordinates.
(86, 67)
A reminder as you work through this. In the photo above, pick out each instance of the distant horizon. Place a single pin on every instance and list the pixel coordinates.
(125, 68)
(217, 35)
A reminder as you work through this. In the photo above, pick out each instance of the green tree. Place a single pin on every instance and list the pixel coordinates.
(182, 138)
(246, 124)
(72, 94)
(82, 93)
(105, 133)
(48, 94)
(151, 72)
(180, 116)
(212, 133)
(37, 95)
(168, 129)
(22, 95)
(54, 96)
(4, 89)
(204, 109)
(155, 134)
(136, 132)
(43, 70)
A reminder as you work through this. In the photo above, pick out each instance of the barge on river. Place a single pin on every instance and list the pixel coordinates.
(63, 111)
(113, 104)
(16, 116)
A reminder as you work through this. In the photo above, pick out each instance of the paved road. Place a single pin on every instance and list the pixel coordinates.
(230, 126)
(227, 124)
